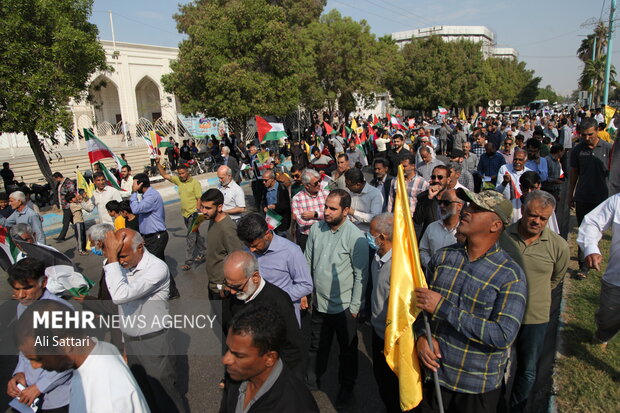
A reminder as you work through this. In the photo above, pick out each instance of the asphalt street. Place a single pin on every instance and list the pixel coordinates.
(201, 371)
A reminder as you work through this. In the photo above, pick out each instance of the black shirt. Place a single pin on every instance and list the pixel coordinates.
(591, 166)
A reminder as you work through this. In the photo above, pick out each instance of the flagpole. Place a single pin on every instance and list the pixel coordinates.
(429, 338)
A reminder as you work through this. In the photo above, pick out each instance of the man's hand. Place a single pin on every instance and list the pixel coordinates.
(426, 299)
(28, 395)
(433, 190)
(507, 178)
(425, 354)
(303, 303)
(113, 246)
(594, 261)
(272, 206)
(11, 387)
(307, 215)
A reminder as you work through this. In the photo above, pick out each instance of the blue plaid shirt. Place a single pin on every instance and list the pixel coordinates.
(478, 317)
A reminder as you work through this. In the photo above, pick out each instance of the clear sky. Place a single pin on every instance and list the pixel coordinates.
(546, 33)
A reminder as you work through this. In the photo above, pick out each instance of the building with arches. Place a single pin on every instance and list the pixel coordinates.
(130, 99)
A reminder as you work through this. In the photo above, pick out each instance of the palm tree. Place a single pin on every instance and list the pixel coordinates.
(584, 53)
(592, 77)
(593, 74)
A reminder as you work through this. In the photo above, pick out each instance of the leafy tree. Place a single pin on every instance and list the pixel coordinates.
(48, 53)
(241, 59)
(549, 94)
(348, 60)
(437, 73)
(510, 81)
(592, 77)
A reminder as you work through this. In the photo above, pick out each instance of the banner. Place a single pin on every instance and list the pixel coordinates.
(202, 127)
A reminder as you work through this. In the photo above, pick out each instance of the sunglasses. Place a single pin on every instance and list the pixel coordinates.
(317, 183)
(447, 203)
(437, 177)
(295, 176)
(236, 288)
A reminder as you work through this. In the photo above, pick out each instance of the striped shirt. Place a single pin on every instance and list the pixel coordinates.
(303, 201)
(478, 317)
(415, 186)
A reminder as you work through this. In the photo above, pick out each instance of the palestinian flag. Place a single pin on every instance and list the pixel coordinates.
(8, 250)
(97, 150)
(269, 131)
(273, 219)
(109, 176)
(195, 224)
(158, 142)
(482, 114)
(61, 275)
(328, 129)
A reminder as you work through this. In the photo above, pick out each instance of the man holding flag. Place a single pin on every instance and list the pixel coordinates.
(103, 194)
(476, 302)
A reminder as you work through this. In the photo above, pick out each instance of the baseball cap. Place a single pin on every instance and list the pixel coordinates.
(489, 200)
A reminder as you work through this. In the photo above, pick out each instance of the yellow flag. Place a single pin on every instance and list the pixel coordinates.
(354, 125)
(82, 184)
(462, 115)
(609, 114)
(406, 275)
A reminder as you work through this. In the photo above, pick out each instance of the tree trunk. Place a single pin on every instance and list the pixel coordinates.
(39, 155)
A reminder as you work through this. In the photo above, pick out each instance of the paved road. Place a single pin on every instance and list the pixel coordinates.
(201, 373)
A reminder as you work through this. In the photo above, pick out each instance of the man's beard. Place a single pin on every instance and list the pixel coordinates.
(244, 295)
(335, 222)
(445, 215)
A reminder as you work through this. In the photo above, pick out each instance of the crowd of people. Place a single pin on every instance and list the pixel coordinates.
(314, 248)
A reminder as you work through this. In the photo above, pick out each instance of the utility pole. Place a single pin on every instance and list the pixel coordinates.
(608, 61)
(592, 80)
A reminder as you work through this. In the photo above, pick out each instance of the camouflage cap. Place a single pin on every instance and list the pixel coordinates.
(489, 200)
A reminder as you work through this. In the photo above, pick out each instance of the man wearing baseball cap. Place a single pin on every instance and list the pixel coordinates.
(475, 302)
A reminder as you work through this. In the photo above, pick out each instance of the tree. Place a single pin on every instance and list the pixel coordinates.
(348, 60)
(549, 94)
(48, 53)
(510, 81)
(592, 77)
(437, 73)
(241, 58)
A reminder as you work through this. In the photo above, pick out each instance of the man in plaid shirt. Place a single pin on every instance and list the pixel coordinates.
(415, 184)
(476, 302)
(308, 205)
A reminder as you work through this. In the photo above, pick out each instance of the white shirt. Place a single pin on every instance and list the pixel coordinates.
(100, 198)
(381, 144)
(599, 118)
(367, 205)
(418, 157)
(435, 237)
(126, 186)
(104, 384)
(233, 198)
(601, 218)
(514, 175)
(140, 293)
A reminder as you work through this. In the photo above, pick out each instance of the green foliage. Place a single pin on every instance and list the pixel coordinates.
(549, 94)
(349, 61)
(437, 73)
(509, 81)
(241, 58)
(48, 53)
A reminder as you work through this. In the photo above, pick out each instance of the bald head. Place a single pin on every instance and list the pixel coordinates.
(224, 174)
(224, 170)
(240, 263)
